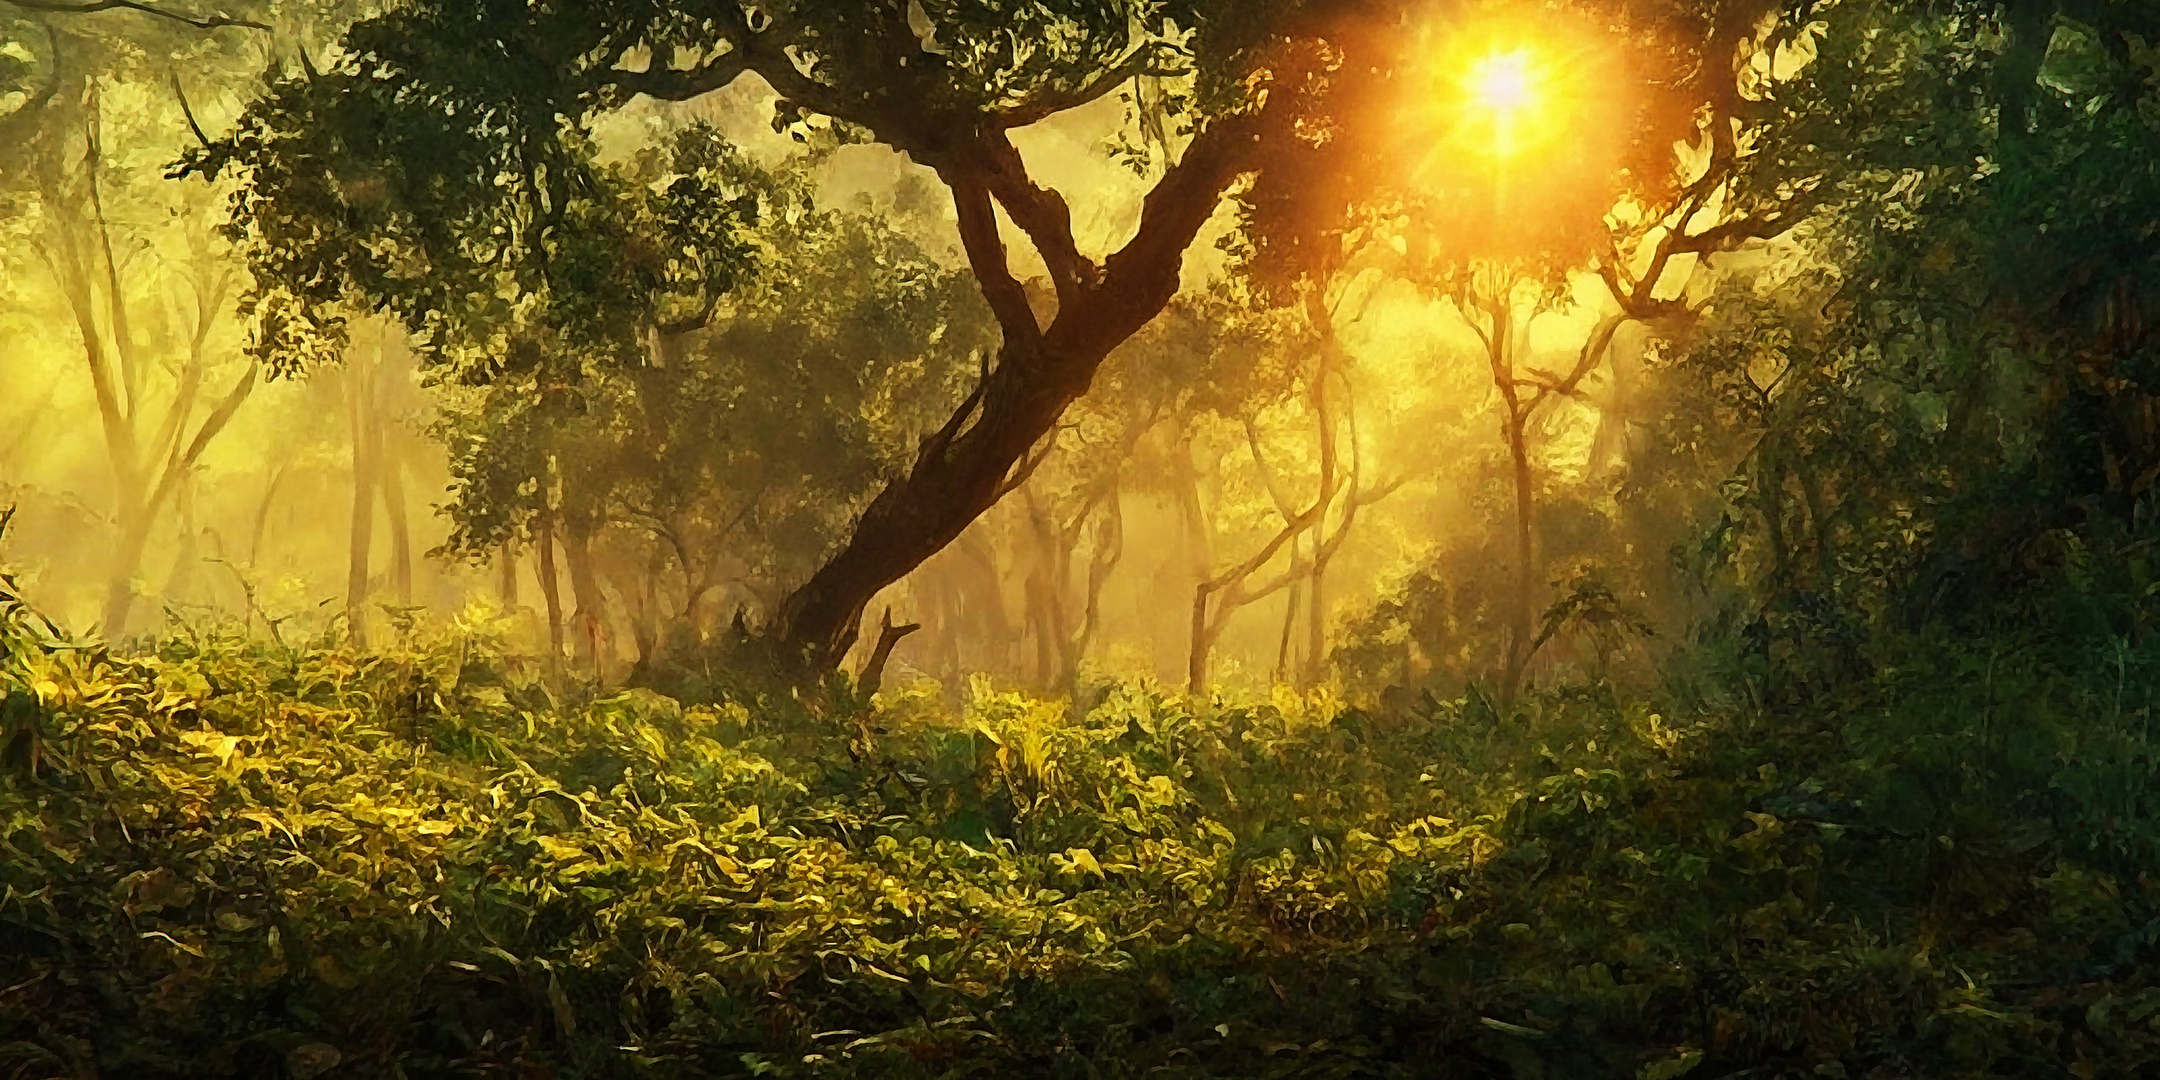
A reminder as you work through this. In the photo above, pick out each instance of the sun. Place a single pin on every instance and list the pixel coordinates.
(1507, 97)
(1503, 82)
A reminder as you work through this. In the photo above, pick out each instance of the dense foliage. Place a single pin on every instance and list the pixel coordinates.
(230, 858)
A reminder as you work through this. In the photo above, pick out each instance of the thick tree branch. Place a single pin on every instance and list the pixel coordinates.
(764, 49)
(935, 446)
(1040, 212)
(1139, 278)
(986, 256)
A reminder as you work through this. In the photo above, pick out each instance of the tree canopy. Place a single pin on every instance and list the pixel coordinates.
(441, 166)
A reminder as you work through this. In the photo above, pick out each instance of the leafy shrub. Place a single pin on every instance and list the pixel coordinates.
(236, 858)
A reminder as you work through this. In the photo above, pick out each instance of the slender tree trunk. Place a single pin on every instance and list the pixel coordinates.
(78, 248)
(120, 592)
(1043, 586)
(1500, 348)
(1316, 618)
(182, 579)
(262, 516)
(1200, 550)
(359, 553)
(993, 623)
(1102, 562)
(645, 621)
(1201, 640)
(591, 646)
(1283, 660)
(401, 553)
(1523, 615)
(1230, 590)
(550, 586)
(947, 614)
(506, 574)
(67, 253)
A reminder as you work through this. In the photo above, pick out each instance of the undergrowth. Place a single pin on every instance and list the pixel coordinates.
(238, 858)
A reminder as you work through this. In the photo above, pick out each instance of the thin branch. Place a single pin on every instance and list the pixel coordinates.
(934, 447)
(188, 111)
(670, 84)
(1027, 466)
(1593, 353)
(90, 7)
(1268, 475)
(1142, 60)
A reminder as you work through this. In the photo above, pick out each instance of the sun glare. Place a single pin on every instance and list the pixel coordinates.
(1502, 82)
(1507, 97)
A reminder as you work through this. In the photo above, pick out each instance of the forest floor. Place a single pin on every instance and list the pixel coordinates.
(235, 858)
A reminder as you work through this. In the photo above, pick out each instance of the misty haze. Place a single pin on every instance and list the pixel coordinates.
(1090, 538)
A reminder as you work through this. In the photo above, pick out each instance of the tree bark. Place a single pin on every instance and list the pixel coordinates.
(1048, 575)
(967, 465)
(550, 587)
(1103, 561)
(78, 250)
(1228, 591)
(1284, 661)
(591, 646)
(646, 620)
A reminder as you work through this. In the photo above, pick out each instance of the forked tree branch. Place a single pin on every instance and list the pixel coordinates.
(889, 635)
(1040, 212)
(986, 256)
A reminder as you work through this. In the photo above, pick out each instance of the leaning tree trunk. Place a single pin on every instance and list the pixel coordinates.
(967, 465)
(955, 481)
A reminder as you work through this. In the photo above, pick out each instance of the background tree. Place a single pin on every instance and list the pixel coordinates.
(720, 467)
(1945, 409)
(144, 293)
